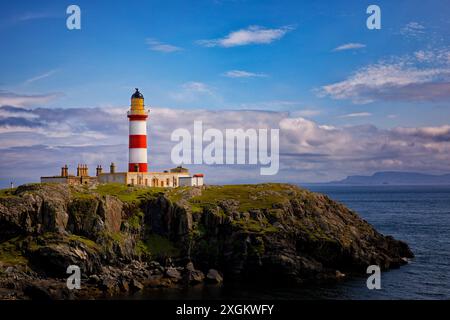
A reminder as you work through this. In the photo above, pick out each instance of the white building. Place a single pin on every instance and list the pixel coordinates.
(191, 181)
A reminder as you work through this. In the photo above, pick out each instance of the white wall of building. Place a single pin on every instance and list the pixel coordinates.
(197, 181)
(120, 177)
(53, 180)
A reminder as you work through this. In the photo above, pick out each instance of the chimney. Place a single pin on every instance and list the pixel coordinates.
(78, 170)
(99, 170)
(86, 170)
(112, 168)
(64, 171)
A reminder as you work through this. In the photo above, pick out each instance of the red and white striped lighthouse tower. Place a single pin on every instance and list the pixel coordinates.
(137, 161)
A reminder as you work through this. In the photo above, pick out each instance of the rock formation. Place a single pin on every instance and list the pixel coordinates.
(128, 238)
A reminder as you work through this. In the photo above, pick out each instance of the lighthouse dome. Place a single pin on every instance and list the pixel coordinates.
(137, 95)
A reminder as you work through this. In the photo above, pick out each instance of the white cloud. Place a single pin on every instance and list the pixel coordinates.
(22, 100)
(193, 91)
(357, 115)
(156, 45)
(349, 46)
(424, 56)
(250, 35)
(17, 113)
(308, 113)
(196, 87)
(34, 16)
(269, 105)
(412, 29)
(44, 139)
(421, 77)
(40, 77)
(243, 74)
(441, 132)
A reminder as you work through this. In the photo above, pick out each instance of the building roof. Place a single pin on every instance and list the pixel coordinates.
(137, 95)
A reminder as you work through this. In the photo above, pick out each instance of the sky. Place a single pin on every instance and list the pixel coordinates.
(347, 100)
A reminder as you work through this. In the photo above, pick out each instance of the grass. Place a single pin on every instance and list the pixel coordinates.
(157, 246)
(114, 237)
(10, 255)
(7, 193)
(82, 195)
(126, 193)
(253, 226)
(261, 196)
(135, 221)
(176, 194)
(123, 192)
(89, 243)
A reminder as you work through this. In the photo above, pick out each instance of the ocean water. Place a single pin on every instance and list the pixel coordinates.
(418, 215)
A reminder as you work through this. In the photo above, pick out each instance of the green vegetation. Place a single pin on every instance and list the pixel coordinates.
(157, 246)
(315, 233)
(89, 243)
(141, 249)
(258, 247)
(253, 226)
(83, 195)
(135, 221)
(123, 192)
(126, 193)
(83, 207)
(176, 194)
(10, 254)
(248, 196)
(7, 193)
(113, 237)
(198, 231)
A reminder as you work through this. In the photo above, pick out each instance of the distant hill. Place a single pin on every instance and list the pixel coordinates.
(396, 178)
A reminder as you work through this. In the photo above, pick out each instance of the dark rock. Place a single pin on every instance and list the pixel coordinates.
(109, 285)
(190, 266)
(192, 276)
(54, 258)
(35, 292)
(136, 285)
(214, 276)
(123, 285)
(94, 279)
(173, 273)
(47, 290)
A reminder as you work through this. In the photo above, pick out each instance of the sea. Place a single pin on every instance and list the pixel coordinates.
(418, 215)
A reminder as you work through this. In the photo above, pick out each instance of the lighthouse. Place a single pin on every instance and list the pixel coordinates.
(137, 173)
(137, 159)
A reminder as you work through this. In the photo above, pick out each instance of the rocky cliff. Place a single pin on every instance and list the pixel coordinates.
(126, 238)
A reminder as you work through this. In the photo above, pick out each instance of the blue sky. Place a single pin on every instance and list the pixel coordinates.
(312, 59)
